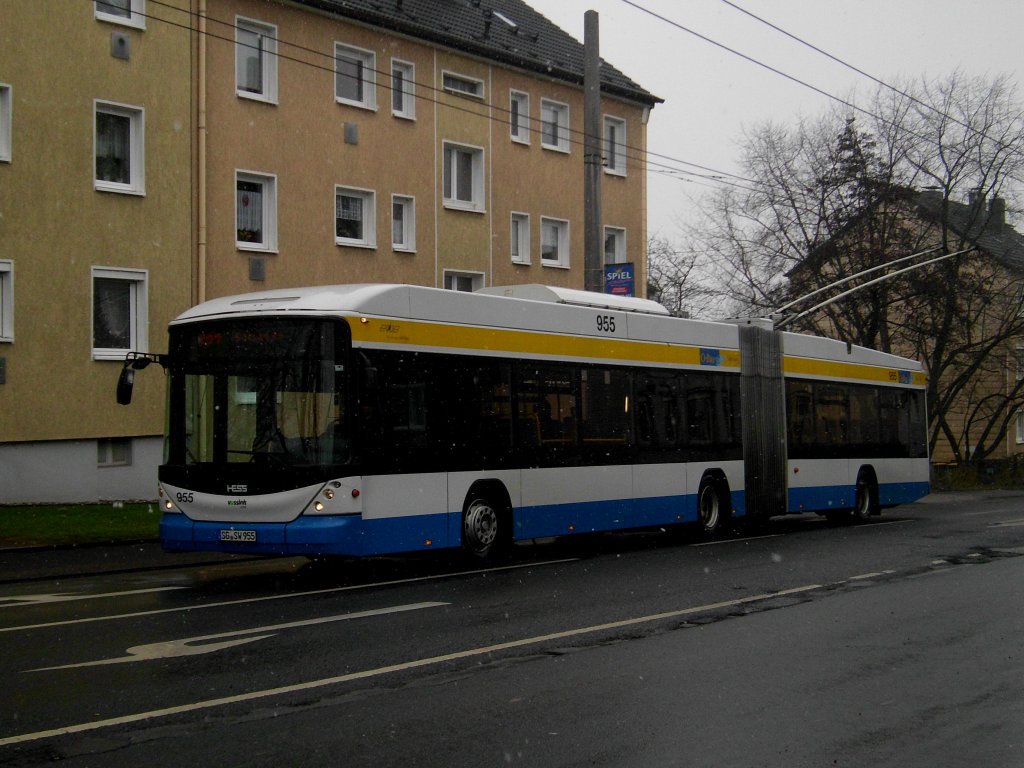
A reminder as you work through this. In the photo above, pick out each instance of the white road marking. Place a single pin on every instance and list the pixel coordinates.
(1007, 524)
(379, 671)
(18, 601)
(264, 598)
(189, 646)
(871, 575)
(735, 541)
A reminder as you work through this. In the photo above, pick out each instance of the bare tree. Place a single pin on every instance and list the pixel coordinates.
(672, 278)
(847, 192)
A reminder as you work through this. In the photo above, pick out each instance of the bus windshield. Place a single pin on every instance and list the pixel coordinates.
(269, 392)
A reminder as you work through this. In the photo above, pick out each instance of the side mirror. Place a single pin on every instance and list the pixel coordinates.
(134, 361)
(125, 383)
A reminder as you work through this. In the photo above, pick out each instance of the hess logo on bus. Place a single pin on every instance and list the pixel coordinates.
(238, 489)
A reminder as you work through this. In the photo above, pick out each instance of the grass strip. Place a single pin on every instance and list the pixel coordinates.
(76, 524)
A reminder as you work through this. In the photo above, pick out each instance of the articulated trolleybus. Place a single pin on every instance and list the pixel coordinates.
(369, 419)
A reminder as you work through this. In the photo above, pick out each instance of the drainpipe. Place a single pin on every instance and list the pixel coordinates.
(201, 158)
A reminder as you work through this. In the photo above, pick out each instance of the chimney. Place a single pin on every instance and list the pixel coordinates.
(976, 200)
(997, 214)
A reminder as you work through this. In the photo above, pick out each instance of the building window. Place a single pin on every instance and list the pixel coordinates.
(614, 146)
(614, 245)
(119, 149)
(520, 238)
(131, 13)
(403, 223)
(519, 116)
(462, 85)
(114, 452)
(1020, 427)
(554, 125)
(5, 122)
(463, 177)
(463, 281)
(255, 211)
(355, 76)
(120, 314)
(6, 300)
(554, 242)
(403, 89)
(255, 60)
(355, 217)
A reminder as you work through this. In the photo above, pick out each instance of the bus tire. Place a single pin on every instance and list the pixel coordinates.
(865, 503)
(485, 528)
(712, 507)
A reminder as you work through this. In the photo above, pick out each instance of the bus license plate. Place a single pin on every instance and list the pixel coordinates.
(243, 536)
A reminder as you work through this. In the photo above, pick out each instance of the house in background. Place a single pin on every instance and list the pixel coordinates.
(963, 317)
(157, 154)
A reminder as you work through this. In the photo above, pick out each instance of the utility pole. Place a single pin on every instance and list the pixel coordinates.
(593, 164)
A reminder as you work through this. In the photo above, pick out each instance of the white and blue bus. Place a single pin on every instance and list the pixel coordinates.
(368, 419)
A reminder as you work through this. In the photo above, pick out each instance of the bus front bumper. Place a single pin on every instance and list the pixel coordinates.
(319, 535)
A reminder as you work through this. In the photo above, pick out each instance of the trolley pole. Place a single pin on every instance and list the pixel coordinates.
(593, 163)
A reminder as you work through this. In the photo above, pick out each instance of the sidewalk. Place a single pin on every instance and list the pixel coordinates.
(63, 563)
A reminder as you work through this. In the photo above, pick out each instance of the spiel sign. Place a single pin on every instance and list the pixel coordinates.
(618, 279)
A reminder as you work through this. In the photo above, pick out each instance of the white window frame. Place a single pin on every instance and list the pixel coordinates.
(619, 233)
(138, 311)
(519, 116)
(476, 280)
(519, 237)
(6, 300)
(560, 112)
(114, 452)
(614, 146)
(408, 241)
(368, 60)
(136, 184)
(454, 185)
(369, 219)
(136, 14)
(462, 85)
(268, 211)
(561, 260)
(267, 34)
(408, 89)
(6, 121)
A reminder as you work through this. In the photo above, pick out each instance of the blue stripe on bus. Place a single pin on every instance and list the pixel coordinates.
(823, 498)
(354, 536)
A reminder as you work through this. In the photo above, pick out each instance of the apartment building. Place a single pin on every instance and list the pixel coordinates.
(157, 153)
(437, 143)
(95, 239)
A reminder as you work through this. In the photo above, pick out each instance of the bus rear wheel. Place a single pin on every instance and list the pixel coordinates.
(711, 510)
(483, 528)
(864, 505)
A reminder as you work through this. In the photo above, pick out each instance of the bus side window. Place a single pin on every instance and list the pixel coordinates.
(800, 413)
(700, 411)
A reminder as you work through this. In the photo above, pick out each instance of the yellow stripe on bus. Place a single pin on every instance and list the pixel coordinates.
(412, 333)
(802, 366)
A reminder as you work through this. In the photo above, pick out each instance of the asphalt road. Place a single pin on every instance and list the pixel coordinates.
(898, 642)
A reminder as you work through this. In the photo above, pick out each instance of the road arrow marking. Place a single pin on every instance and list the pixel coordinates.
(193, 646)
(17, 601)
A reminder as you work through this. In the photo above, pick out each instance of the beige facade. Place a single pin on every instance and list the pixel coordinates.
(308, 144)
(154, 155)
(75, 232)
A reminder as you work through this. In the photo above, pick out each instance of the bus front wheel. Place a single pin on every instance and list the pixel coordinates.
(483, 527)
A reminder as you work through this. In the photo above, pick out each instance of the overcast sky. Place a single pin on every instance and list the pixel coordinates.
(711, 94)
